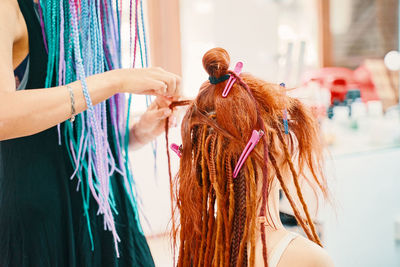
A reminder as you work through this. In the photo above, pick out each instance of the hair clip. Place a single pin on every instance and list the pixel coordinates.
(285, 120)
(177, 149)
(255, 138)
(232, 79)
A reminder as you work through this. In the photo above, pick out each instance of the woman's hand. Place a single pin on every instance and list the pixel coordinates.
(148, 81)
(152, 123)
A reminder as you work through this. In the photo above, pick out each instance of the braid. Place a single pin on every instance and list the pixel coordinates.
(171, 189)
(205, 163)
(210, 233)
(298, 189)
(264, 195)
(223, 189)
(204, 211)
(287, 194)
(187, 255)
(242, 256)
(231, 206)
(213, 177)
(239, 217)
(252, 199)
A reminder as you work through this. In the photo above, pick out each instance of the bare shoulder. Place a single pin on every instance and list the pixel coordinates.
(305, 253)
(9, 13)
(9, 7)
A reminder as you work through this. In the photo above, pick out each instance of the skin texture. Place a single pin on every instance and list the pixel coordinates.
(301, 252)
(27, 112)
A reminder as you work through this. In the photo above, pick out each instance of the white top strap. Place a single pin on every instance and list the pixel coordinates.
(280, 248)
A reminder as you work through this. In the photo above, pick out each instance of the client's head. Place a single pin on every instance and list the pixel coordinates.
(219, 214)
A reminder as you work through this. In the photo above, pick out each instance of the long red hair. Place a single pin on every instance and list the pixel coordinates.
(214, 215)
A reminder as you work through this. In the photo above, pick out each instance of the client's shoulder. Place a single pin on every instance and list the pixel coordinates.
(303, 252)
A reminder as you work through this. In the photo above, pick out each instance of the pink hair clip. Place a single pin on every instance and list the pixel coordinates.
(255, 138)
(177, 149)
(232, 79)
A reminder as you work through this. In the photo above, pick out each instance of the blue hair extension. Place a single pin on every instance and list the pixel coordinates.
(82, 38)
(285, 115)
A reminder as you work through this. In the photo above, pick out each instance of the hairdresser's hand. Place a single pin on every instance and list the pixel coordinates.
(148, 81)
(152, 123)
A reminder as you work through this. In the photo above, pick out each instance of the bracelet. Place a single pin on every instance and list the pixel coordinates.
(71, 94)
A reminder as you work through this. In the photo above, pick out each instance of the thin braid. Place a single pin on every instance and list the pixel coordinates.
(212, 248)
(196, 254)
(204, 185)
(298, 189)
(213, 178)
(240, 214)
(242, 257)
(223, 241)
(211, 219)
(253, 197)
(204, 212)
(171, 189)
(210, 232)
(205, 140)
(228, 169)
(287, 194)
(213, 165)
(222, 181)
(264, 196)
(187, 258)
(235, 231)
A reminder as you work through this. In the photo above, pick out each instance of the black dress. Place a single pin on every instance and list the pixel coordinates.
(42, 221)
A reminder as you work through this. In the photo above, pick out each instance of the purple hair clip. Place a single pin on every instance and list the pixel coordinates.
(255, 138)
(285, 119)
(232, 79)
(177, 149)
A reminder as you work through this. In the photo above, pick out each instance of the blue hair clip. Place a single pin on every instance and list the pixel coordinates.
(285, 119)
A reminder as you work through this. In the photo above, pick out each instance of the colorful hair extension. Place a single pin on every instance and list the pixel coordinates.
(217, 213)
(83, 38)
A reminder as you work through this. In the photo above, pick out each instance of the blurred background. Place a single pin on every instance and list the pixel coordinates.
(342, 58)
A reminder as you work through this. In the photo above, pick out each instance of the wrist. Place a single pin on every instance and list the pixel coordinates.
(115, 81)
(136, 136)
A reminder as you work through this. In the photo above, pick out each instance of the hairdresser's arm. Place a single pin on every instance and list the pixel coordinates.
(27, 112)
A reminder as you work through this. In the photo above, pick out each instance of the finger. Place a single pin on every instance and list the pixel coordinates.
(178, 90)
(161, 114)
(153, 106)
(168, 78)
(163, 102)
(157, 87)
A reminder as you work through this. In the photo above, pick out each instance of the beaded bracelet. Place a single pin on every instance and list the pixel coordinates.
(71, 94)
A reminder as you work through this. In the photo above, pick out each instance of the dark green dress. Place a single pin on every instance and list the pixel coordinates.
(42, 221)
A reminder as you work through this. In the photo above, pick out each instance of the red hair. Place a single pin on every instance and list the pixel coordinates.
(217, 214)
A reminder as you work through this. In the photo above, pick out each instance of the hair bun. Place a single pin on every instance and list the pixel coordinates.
(216, 62)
